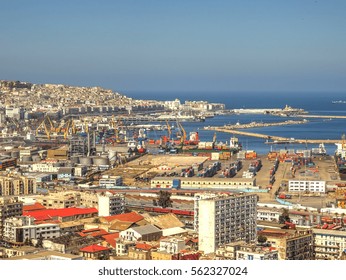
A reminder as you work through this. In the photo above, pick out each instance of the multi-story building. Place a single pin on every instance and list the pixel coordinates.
(17, 185)
(7, 162)
(253, 252)
(110, 204)
(329, 244)
(107, 203)
(224, 218)
(59, 200)
(9, 207)
(172, 245)
(291, 244)
(306, 186)
(47, 166)
(20, 229)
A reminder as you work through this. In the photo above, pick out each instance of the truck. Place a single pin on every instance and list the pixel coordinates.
(285, 196)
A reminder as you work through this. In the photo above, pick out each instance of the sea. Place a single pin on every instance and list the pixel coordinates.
(315, 103)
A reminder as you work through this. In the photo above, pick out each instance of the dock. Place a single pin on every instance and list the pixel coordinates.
(273, 138)
(320, 116)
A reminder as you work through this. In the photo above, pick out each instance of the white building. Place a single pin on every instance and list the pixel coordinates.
(173, 105)
(45, 167)
(20, 229)
(306, 186)
(111, 181)
(110, 204)
(329, 244)
(144, 233)
(224, 218)
(340, 149)
(257, 253)
(172, 245)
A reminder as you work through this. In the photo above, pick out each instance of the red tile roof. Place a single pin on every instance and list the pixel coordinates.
(33, 207)
(143, 246)
(94, 248)
(132, 217)
(63, 212)
(111, 238)
(93, 232)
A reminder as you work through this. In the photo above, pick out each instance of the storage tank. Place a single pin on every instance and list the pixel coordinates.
(85, 161)
(100, 161)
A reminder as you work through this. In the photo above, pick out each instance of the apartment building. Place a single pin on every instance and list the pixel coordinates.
(17, 185)
(224, 218)
(20, 229)
(291, 244)
(253, 252)
(329, 244)
(172, 245)
(107, 203)
(9, 207)
(59, 200)
(110, 204)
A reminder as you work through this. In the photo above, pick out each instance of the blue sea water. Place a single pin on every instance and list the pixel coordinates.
(314, 103)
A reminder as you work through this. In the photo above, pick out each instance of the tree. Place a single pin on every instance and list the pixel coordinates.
(284, 217)
(262, 239)
(164, 199)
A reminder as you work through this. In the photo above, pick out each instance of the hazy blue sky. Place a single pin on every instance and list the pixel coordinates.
(127, 45)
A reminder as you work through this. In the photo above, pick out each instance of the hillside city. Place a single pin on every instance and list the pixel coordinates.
(81, 180)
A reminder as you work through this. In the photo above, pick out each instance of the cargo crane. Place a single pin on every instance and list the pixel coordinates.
(169, 130)
(183, 136)
(47, 126)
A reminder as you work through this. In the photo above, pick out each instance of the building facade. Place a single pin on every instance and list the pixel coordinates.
(21, 229)
(329, 244)
(9, 207)
(291, 244)
(306, 186)
(110, 204)
(17, 185)
(224, 218)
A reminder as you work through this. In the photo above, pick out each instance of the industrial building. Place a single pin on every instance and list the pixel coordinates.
(205, 183)
(224, 218)
(306, 186)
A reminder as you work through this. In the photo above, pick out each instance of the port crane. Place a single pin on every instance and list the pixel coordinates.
(47, 126)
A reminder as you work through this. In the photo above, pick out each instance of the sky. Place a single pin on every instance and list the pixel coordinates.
(176, 45)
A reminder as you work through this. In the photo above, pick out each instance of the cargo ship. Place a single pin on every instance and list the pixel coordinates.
(340, 157)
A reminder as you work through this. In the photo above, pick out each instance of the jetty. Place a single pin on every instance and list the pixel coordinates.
(321, 116)
(273, 138)
(264, 124)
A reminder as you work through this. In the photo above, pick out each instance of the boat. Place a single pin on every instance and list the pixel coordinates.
(320, 151)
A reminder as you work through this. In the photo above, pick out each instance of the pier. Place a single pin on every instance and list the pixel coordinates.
(273, 138)
(263, 124)
(320, 116)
